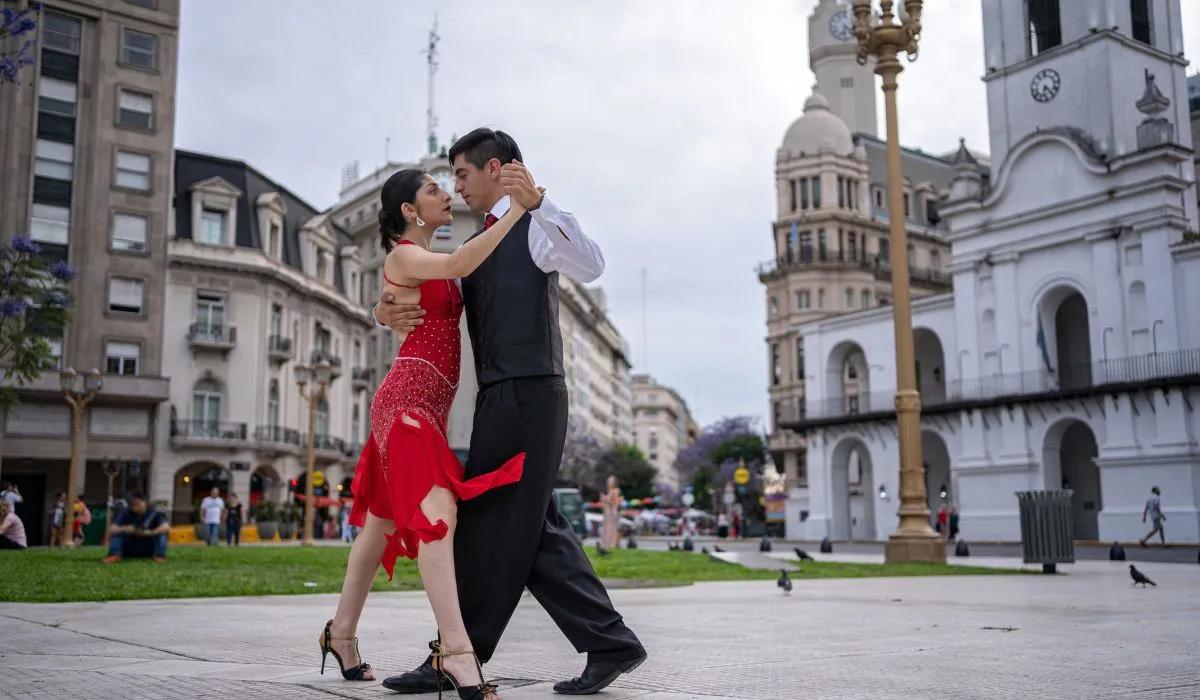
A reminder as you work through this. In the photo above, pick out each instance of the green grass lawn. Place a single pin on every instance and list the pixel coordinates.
(57, 575)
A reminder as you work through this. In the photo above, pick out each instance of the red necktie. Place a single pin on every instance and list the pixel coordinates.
(488, 221)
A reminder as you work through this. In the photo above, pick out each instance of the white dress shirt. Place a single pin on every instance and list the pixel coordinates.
(556, 244)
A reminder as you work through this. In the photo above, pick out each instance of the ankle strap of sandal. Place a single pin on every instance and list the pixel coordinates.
(436, 647)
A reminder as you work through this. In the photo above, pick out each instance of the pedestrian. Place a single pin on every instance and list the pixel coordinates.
(210, 514)
(943, 520)
(139, 531)
(1154, 510)
(233, 521)
(58, 519)
(12, 530)
(610, 507)
(953, 519)
(12, 494)
(347, 528)
(83, 518)
(722, 525)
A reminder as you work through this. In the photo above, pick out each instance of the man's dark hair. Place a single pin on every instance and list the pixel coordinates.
(484, 144)
(137, 495)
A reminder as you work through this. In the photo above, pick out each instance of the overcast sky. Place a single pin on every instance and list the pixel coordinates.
(654, 121)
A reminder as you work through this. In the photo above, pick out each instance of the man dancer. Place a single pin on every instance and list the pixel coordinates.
(514, 538)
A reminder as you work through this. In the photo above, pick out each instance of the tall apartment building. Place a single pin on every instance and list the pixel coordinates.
(830, 234)
(595, 355)
(259, 282)
(85, 169)
(663, 426)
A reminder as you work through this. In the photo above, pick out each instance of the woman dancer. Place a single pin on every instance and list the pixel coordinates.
(407, 482)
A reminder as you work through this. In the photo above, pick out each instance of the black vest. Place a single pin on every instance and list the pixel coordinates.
(512, 313)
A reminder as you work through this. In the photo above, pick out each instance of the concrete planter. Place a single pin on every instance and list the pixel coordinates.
(267, 530)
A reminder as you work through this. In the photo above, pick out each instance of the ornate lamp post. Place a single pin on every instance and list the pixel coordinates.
(884, 39)
(79, 390)
(320, 374)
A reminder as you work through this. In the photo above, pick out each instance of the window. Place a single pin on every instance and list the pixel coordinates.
(849, 298)
(1045, 28)
(789, 242)
(912, 255)
(866, 298)
(355, 424)
(50, 223)
(851, 371)
(54, 160)
(804, 193)
(931, 212)
(57, 96)
(820, 298)
(139, 49)
(852, 245)
(273, 403)
(879, 198)
(353, 286)
(774, 307)
(61, 33)
(806, 246)
(129, 232)
(854, 195)
(206, 407)
(884, 248)
(792, 191)
(322, 418)
(1140, 12)
(841, 185)
(799, 359)
(822, 244)
(210, 312)
(776, 414)
(133, 170)
(653, 444)
(322, 265)
(135, 109)
(121, 358)
(276, 320)
(816, 191)
(802, 299)
(852, 406)
(935, 260)
(273, 240)
(907, 202)
(775, 364)
(125, 295)
(55, 359)
(212, 227)
(322, 339)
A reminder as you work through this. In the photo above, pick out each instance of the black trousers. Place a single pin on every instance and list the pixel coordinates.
(514, 538)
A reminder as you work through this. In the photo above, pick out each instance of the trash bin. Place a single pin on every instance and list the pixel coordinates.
(1047, 528)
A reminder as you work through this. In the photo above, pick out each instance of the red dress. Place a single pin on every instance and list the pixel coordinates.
(402, 462)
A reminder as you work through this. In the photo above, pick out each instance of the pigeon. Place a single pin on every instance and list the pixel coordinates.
(826, 546)
(784, 582)
(717, 549)
(764, 545)
(672, 547)
(1139, 577)
(961, 549)
(704, 550)
(801, 554)
(631, 544)
(688, 546)
(1116, 552)
(601, 550)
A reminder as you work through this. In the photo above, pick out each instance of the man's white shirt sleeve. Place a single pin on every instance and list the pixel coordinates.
(557, 244)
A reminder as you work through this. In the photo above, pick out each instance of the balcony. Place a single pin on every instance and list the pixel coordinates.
(206, 433)
(1178, 368)
(206, 336)
(279, 349)
(328, 448)
(277, 438)
(361, 378)
(334, 361)
(879, 266)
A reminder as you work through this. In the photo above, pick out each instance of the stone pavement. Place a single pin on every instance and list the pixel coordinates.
(1086, 633)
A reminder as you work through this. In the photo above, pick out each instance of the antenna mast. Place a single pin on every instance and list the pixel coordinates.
(431, 60)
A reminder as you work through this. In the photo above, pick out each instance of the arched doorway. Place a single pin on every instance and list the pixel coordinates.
(938, 486)
(931, 366)
(847, 379)
(852, 511)
(192, 483)
(1069, 462)
(265, 485)
(1064, 337)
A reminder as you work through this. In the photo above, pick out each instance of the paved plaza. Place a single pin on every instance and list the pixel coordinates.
(1086, 633)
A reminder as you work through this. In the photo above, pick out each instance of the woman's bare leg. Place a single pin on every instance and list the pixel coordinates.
(435, 560)
(365, 555)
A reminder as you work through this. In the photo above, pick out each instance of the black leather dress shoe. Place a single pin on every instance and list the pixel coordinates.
(597, 675)
(422, 679)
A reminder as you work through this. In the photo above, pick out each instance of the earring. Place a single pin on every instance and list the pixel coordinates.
(418, 220)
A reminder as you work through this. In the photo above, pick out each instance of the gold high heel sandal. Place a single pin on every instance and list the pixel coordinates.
(355, 673)
(470, 692)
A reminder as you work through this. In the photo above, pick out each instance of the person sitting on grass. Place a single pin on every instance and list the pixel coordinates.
(139, 531)
(12, 530)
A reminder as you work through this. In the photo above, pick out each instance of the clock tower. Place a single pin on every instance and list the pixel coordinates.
(849, 87)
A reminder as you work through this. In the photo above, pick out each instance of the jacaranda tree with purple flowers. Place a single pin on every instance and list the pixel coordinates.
(34, 301)
(18, 47)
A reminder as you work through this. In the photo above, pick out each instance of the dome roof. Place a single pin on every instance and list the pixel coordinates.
(818, 129)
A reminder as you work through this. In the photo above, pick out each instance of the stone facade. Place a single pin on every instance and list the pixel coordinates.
(663, 426)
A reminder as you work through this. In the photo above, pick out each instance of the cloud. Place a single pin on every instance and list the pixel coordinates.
(655, 122)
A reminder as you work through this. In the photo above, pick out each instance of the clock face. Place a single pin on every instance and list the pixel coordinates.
(1045, 85)
(841, 26)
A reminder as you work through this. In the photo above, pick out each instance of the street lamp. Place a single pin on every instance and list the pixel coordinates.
(320, 374)
(885, 39)
(112, 468)
(79, 390)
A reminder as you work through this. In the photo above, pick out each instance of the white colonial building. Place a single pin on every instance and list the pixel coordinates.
(258, 282)
(1068, 353)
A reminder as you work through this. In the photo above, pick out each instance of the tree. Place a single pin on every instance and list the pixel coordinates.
(33, 309)
(709, 463)
(17, 52)
(634, 474)
(581, 455)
